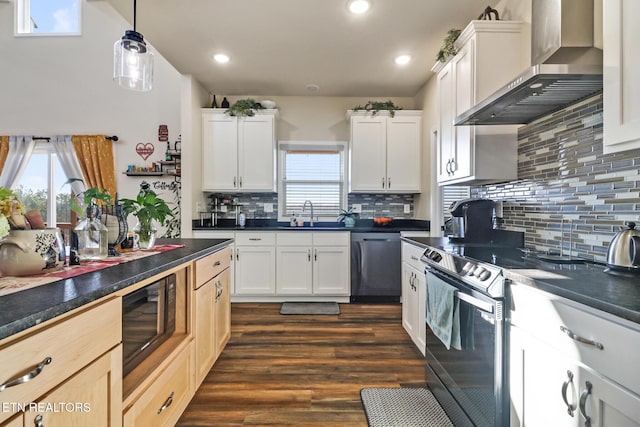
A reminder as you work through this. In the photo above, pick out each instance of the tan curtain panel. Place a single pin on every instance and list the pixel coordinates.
(95, 155)
(4, 150)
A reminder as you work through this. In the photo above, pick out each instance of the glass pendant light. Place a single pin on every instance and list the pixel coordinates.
(132, 61)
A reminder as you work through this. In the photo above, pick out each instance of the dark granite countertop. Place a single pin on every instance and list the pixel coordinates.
(586, 283)
(362, 226)
(24, 309)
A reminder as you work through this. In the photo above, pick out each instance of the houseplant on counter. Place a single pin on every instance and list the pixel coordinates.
(348, 217)
(149, 209)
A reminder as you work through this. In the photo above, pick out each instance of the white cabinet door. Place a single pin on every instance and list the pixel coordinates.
(606, 404)
(621, 68)
(255, 270)
(404, 153)
(409, 300)
(446, 131)
(421, 317)
(294, 270)
(368, 153)
(463, 70)
(257, 153)
(219, 152)
(331, 270)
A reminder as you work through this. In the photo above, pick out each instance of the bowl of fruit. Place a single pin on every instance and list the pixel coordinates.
(382, 221)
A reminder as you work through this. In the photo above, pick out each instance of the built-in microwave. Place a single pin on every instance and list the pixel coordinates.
(148, 319)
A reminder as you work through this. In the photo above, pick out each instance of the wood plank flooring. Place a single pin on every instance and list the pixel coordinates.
(304, 370)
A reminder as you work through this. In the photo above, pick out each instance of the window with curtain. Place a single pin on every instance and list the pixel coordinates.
(315, 173)
(48, 17)
(41, 186)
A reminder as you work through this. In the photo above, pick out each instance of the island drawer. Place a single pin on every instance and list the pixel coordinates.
(167, 397)
(53, 353)
(210, 266)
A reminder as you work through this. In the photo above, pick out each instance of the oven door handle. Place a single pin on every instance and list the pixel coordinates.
(482, 305)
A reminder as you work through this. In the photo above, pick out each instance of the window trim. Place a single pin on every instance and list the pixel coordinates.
(283, 146)
(22, 19)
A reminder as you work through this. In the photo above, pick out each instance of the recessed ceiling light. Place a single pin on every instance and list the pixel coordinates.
(312, 87)
(221, 58)
(359, 6)
(402, 59)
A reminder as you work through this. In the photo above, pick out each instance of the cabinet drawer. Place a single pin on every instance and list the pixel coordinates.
(70, 345)
(163, 402)
(295, 238)
(212, 265)
(255, 239)
(411, 255)
(328, 238)
(543, 315)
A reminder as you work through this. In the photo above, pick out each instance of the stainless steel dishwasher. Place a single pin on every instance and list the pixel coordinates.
(375, 267)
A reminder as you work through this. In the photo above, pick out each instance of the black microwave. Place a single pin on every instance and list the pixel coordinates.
(148, 319)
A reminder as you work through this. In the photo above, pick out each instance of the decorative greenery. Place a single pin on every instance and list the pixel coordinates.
(147, 207)
(347, 214)
(244, 107)
(375, 106)
(90, 196)
(173, 224)
(448, 49)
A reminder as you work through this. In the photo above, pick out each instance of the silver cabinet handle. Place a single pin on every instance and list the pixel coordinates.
(583, 404)
(581, 339)
(315, 255)
(217, 263)
(167, 403)
(309, 254)
(447, 168)
(27, 377)
(570, 406)
(415, 258)
(237, 254)
(453, 166)
(255, 239)
(37, 421)
(382, 182)
(240, 181)
(234, 182)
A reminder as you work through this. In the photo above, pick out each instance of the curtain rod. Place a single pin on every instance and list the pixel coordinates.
(113, 138)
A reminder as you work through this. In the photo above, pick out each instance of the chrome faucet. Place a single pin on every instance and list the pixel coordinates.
(311, 213)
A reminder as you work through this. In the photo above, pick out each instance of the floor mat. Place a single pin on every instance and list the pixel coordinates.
(310, 308)
(402, 407)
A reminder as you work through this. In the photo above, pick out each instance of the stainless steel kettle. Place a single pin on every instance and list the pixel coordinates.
(624, 250)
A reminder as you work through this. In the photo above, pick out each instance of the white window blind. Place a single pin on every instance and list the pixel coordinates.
(315, 175)
(450, 194)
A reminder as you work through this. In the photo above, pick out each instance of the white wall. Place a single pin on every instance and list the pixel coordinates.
(63, 85)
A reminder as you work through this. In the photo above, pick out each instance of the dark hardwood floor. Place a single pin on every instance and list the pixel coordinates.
(304, 370)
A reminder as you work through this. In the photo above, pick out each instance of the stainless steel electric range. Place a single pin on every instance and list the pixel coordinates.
(471, 382)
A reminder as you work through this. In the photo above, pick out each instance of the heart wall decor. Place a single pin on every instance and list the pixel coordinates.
(144, 150)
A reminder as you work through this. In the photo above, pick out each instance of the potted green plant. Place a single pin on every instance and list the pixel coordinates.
(244, 107)
(376, 106)
(149, 209)
(348, 217)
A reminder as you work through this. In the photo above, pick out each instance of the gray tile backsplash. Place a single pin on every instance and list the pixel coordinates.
(563, 176)
(252, 204)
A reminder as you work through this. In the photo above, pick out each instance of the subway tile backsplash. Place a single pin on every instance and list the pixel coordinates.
(565, 179)
(252, 204)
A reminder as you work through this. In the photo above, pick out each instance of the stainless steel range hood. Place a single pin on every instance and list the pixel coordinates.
(567, 68)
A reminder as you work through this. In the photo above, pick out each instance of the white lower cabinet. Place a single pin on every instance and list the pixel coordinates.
(559, 381)
(255, 262)
(413, 295)
(313, 263)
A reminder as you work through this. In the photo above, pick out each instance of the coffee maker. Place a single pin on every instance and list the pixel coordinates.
(472, 221)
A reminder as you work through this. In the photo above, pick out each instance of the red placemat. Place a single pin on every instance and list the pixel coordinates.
(11, 284)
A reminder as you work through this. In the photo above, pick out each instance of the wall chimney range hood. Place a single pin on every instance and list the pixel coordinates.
(566, 68)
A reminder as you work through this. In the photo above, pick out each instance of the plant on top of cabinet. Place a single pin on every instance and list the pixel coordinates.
(448, 49)
(375, 106)
(244, 107)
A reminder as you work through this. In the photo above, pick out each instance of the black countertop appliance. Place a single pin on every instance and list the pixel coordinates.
(474, 218)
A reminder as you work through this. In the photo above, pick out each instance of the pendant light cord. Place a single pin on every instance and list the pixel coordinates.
(134, 15)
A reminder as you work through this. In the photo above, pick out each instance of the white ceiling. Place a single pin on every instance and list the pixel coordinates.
(277, 47)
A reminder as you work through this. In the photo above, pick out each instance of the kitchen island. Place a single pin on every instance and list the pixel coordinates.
(62, 342)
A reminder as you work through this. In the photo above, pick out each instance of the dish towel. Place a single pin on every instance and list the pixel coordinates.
(443, 311)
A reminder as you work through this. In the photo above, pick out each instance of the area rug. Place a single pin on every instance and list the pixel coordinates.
(402, 407)
(310, 308)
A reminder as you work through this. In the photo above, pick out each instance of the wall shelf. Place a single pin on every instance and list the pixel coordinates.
(143, 173)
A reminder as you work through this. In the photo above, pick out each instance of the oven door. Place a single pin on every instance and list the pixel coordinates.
(470, 383)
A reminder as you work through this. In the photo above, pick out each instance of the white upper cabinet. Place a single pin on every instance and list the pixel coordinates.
(621, 68)
(239, 153)
(490, 54)
(385, 152)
